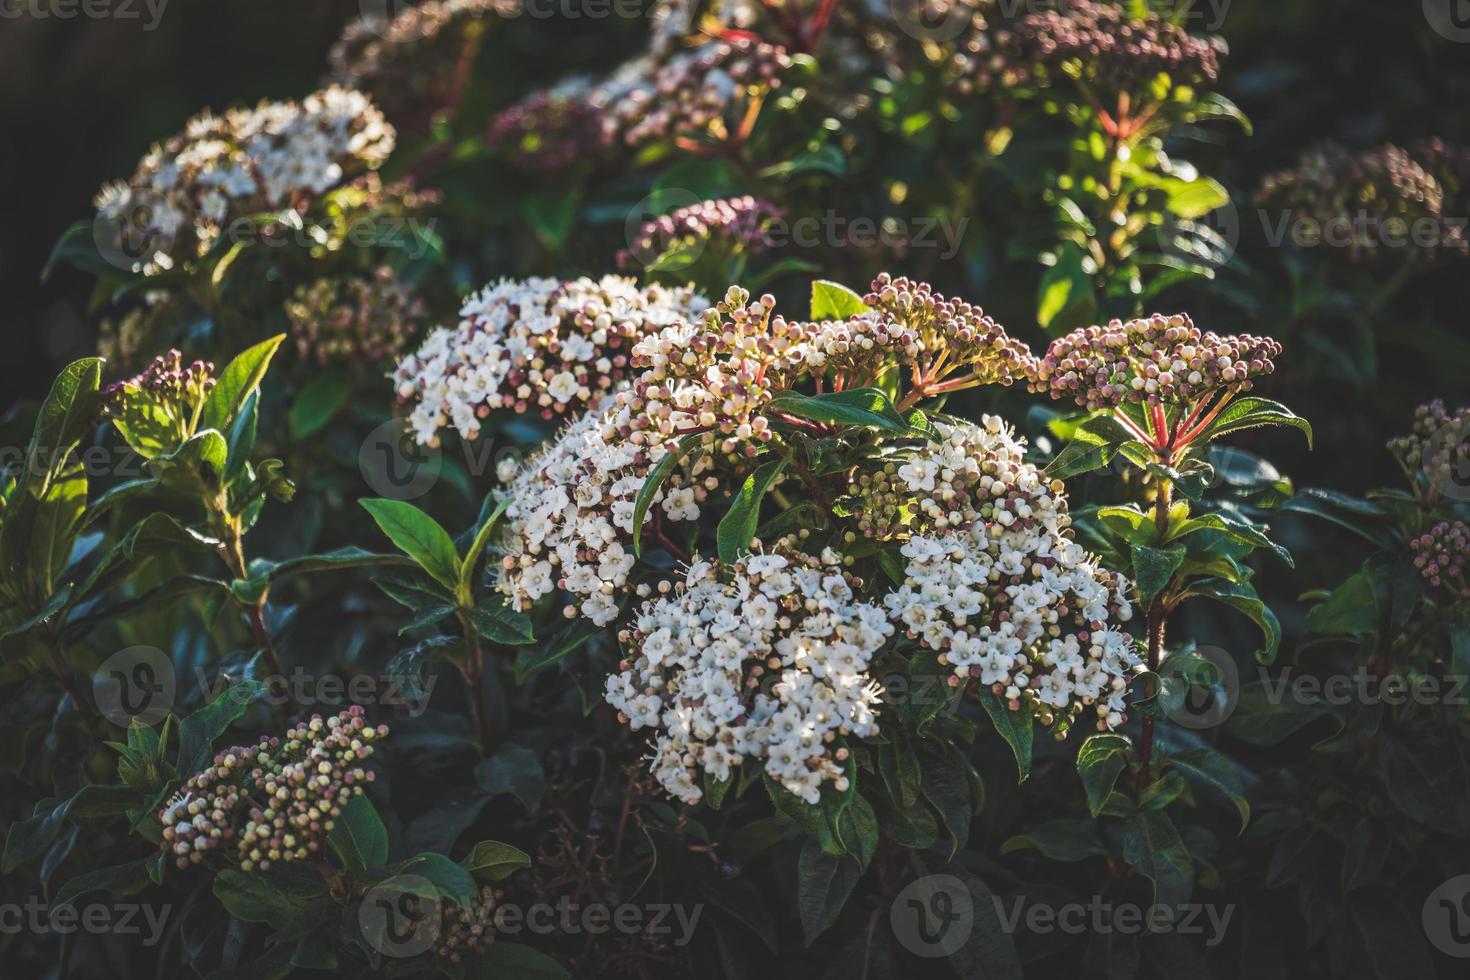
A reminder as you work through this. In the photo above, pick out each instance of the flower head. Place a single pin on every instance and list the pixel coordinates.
(275, 800)
(762, 662)
(550, 346)
(1442, 555)
(158, 409)
(552, 130)
(1158, 361)
(1008, 598)
(1368, 205)
(733, 225)
(1438, 446)
(279, 155)
(349, 319)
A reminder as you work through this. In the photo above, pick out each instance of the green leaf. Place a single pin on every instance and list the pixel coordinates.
(737, 527)
(1250, 412)
(1153, 568)
(28, 839)
(855, 406)
(1152, 846)
(198, 731)
(477, 547)
(285, 896)
(834, 301)
(1066, 298)
(348, 557)
(498, 623)
(493, 860)
(358, 838)
(417, 535)
(1093, 445)
(516, 770)
(825, 159)
(823, 884)
(318, 403)
(1194, 198)
(1242, 597)
(1014, 726)
(533, 658)
(1060, 840)
(552, 216)
(504, 960)
(1210, 768)
(1100, 761)
(1236, 529)
(120, 879)
(451, 880)
(946, 785)
(65, 416)
(239, 380)
(656, 477)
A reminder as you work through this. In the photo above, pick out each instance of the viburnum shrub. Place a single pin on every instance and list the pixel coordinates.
(726, 494)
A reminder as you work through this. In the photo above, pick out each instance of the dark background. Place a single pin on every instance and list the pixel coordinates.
(82, 99)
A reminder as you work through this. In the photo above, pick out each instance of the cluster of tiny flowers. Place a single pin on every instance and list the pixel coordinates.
(347, 319)
(550, 346)
(1158, 360)
(1366, 205)
(734, 225)
(1109, 49)
(273, 801)
(1438, 445)
(764, 660)
(409, 61)
(550, 131)
(462, 932)
(692, 94)
(1448, 163)
(159, 408)
(1442, 556)
(1014, 603)
(570, 522)
(948, 343)
(968, 474)
(187, 191)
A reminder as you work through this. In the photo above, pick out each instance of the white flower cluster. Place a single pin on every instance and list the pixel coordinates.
(1015, 603)
(766, 660)
(276, 155)
(547, 345)
(570, 521)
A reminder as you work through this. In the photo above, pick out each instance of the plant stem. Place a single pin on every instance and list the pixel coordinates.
(1157, 614)
(473, 670)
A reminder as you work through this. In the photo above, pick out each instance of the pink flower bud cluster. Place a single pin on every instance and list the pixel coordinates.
(704, 93)
(1159, 361)
(354, 319)
(276, 800)
(1437, 445)
(733, 226)
(1442, 555)
(467, 932)
(550, 131)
